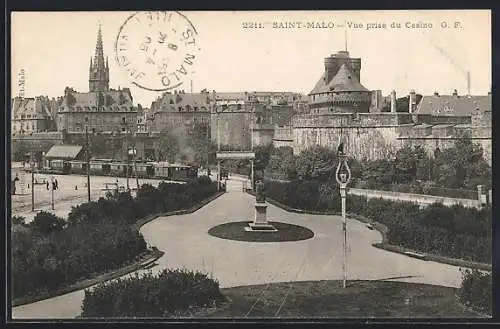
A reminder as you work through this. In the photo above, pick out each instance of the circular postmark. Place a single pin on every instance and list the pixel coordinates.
(157, 49)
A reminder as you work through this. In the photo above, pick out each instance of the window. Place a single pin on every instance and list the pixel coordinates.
(86, 119)
(124, 120)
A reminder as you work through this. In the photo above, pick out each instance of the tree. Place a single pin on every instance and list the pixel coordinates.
(462, 165)
(168, 146)
(19, 150)
(47, 223)
(316, 163)
(405, 165)
(198, 139)
(378, 172)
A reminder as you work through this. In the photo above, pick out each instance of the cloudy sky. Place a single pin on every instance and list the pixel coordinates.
(54, 49)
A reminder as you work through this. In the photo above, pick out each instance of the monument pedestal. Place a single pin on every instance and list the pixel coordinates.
(260, 223)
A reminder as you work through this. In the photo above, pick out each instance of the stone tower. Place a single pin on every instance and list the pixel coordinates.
(99, 70)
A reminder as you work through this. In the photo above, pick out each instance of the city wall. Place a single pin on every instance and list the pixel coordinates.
(366, 136)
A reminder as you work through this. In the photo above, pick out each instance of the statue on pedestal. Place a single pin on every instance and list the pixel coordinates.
(259, 192)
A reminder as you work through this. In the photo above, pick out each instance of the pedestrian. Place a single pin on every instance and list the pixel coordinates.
(54, 185)
(47, 185)
(57, 184)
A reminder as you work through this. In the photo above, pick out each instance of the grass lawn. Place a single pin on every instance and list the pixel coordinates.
(236, 231)
(361, 299)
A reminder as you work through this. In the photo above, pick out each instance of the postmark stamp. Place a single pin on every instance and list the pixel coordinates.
(157, 49)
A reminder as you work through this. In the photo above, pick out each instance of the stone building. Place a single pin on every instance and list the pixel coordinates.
(246, 115)
(339, 89)
(101, 110)
(174, 111)
(33, 115)
(342, 110)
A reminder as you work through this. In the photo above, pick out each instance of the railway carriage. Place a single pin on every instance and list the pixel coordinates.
(161, 170)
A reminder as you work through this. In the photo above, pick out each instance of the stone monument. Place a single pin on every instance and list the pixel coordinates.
(260, 223)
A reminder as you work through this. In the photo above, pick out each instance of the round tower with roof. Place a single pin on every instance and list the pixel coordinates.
(339, 89)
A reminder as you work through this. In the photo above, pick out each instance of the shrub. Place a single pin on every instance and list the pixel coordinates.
(456, 231)
(167, 294)
(476, 290)
(98, 236)
(46, 223)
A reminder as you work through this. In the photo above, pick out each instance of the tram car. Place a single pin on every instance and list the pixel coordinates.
(175, 172)
(103, 167)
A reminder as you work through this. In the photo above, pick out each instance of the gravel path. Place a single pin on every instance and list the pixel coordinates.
(188, 245)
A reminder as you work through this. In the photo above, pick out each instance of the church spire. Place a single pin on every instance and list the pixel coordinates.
(99, 52)
(99, 70)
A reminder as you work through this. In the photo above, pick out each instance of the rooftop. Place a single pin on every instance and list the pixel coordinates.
(453, 105)
(344, 80)
(67, 152)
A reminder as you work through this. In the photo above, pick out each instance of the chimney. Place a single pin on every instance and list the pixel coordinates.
(455, 92)
(393, 101)
(412, 102)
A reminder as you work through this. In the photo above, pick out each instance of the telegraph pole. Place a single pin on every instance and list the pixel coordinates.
(88, 161)
(32, 180)
(218, 149)
(252, 118)
(52, 188)
(135, 165)
(128, 162)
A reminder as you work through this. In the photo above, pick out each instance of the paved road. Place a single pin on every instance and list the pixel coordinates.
(66, 195)
(234, 263)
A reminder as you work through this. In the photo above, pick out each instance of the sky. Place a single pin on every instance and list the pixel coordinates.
(54, 50)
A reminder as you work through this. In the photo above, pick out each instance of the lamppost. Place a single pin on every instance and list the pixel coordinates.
(343, 179)
(52, 192)
(32, 158)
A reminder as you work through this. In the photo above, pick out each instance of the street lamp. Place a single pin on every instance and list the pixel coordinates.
(343, 177)
(53, 187)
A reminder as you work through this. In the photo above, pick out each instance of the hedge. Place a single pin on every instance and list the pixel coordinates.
(50, 253)
(456, 231)
(476, 291)
(170, 293)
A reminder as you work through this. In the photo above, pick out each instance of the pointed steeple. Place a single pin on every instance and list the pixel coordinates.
(99, 51)
(99, 70)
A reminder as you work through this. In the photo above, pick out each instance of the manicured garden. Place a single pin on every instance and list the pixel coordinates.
(285, 232)
(183, 294)
(50, 253)
(455, 232)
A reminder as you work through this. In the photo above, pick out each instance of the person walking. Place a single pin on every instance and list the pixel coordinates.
(57, 184)
(47, 185)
